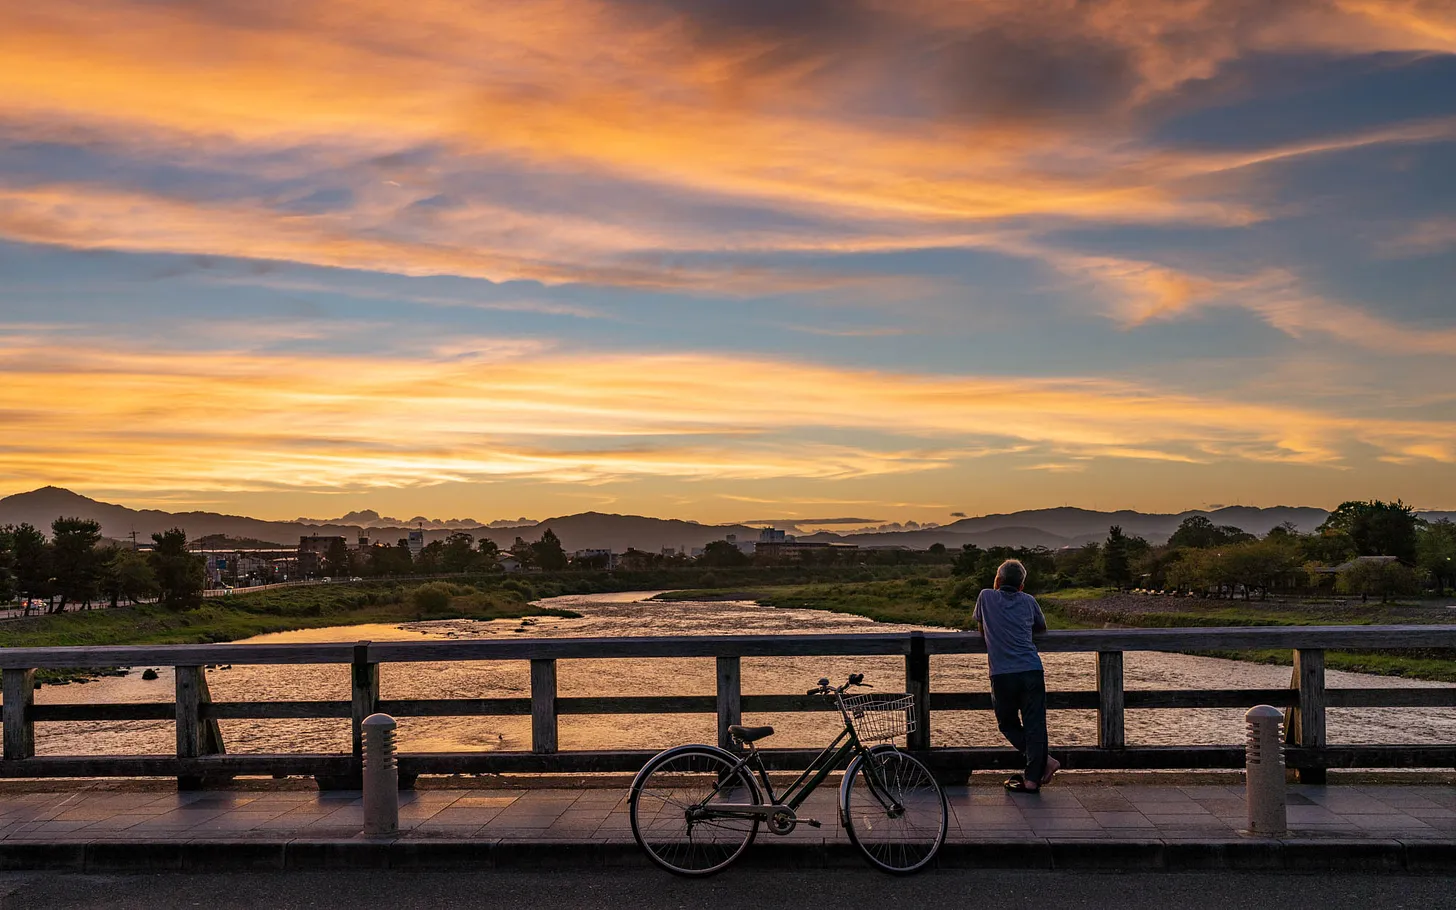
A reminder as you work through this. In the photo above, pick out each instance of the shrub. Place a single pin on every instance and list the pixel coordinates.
(431, 597)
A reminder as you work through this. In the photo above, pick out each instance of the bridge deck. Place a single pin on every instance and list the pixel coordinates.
(980, 814)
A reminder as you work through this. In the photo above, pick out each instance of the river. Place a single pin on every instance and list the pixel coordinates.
(634, 614)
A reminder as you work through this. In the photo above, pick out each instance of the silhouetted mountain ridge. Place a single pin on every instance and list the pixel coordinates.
(1058, 527)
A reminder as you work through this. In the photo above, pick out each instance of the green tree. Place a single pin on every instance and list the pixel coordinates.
(459, 552)
(1327, 547)
(489, 549)
(33, 577)
(1116, 567)
(180, 574)
(431, 558)
(1377, 528)
(7, 565)
(1387, 579)
(1260, 564)
(75, 562)
(1436, 553)
(126, 575)
(337, 562)
(1199, 532)
(722, 553)
(523, 552)
(548, 552)
(967, 561)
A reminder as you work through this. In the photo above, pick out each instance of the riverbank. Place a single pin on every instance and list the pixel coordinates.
(247, 615)
(948, 602)
(483, 597)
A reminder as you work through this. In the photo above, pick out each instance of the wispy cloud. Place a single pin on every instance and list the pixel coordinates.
(146, 420)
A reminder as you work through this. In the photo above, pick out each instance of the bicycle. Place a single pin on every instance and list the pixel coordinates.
(695, 809)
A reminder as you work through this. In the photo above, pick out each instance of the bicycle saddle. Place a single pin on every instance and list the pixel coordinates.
(749, 734)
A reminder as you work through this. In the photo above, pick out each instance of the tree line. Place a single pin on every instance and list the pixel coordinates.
(73, 568)
(1223, 560)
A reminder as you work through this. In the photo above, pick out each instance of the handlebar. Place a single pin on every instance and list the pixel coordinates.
(855, 679)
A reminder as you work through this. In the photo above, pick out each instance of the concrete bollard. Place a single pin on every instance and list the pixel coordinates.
(1264, 771)
(381, 777)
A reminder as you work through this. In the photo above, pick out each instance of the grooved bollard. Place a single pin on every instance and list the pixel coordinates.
(1264, 771)
(381, 777)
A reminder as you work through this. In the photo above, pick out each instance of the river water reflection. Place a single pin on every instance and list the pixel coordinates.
(633, 614)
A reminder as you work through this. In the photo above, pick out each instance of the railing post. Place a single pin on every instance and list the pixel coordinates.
(364, 685)
(19, 691)
(190, 736)
(543, 705)
(1111, 701)
(730, 699)
(1306, 726)
(917, 685)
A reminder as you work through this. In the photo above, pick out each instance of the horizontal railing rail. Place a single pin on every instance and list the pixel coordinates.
(201, 754)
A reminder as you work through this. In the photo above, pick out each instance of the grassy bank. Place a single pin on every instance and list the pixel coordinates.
(246, 615)
(284, 609)
(947, 603)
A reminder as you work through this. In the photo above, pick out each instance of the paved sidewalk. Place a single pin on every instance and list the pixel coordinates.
(1135, 824)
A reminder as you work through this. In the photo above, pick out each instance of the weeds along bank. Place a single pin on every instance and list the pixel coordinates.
(483, 597)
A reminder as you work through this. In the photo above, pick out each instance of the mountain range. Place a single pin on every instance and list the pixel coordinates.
(1051, 528)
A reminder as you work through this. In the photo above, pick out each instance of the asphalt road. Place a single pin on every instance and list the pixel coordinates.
(759, 890)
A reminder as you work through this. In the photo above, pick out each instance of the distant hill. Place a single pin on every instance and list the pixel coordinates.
(1050, 528)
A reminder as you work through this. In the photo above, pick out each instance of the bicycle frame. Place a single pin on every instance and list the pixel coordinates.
(845, 746)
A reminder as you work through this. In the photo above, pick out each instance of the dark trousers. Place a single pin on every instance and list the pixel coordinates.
(1020, 703)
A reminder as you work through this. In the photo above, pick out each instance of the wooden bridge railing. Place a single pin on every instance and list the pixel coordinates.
(200, 750)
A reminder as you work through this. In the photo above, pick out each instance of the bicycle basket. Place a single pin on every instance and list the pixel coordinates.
(880, 717)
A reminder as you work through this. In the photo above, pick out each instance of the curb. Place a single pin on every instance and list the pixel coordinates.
(441, 854)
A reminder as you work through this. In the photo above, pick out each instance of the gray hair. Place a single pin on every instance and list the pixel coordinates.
(1011, 573)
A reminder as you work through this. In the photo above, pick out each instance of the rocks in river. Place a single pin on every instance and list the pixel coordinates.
(149, 674)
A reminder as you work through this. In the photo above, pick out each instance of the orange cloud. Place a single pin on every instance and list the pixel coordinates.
(95, 415)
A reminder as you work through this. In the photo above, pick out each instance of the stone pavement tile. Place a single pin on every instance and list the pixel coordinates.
(1122, 820)
(1038, 813)
(1061, 825)
(465, 816)
(978, 816)
(1150, 794)
(484, 802)
(1187, 821)
(1434, 812)
(1353, 802)
(460, 832)
(1308, 815)
(1384, 823)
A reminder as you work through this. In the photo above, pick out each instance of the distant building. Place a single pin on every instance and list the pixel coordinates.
(794, 550)
(416, 543)
(509, 563)
(596, 556)
(773, 535)
(744, 546)
(314, 549)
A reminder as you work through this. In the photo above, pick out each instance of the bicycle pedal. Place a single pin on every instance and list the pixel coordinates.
(811, 823)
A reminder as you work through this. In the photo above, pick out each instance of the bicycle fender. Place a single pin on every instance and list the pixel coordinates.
(849, 776)
(698, 747)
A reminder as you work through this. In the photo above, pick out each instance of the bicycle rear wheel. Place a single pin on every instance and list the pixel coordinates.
(671, 804)
(894, 810)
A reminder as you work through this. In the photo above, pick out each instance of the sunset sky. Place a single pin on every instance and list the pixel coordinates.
(728, 259)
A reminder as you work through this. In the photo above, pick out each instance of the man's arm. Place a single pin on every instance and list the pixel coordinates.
(1038, 621)
(976, 612)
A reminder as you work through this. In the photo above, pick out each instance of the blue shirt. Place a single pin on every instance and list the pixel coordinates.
(1007, 618)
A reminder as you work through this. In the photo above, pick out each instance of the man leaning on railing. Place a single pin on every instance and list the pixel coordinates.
(1007, 616)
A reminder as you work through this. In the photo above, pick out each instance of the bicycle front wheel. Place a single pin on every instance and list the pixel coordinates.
(672, 806)
(894, 810)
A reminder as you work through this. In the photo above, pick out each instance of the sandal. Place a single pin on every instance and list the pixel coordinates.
(1017, 784)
